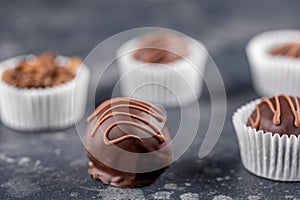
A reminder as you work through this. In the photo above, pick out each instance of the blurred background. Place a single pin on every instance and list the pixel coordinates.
(56, 163)
(75, 27)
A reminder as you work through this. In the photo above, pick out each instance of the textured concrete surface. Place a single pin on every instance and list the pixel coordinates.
(54, 166)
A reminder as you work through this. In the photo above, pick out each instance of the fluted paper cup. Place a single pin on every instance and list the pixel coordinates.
(266, 154)
(43, 108)
(170, 84)
(273, 75)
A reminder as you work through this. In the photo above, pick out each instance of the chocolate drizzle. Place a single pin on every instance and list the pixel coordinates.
(128, 143)
(133, 104)
(292, 102)
(291, 50)
(161, 47)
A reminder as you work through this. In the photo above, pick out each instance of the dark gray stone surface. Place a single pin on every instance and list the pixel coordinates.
(54, 166)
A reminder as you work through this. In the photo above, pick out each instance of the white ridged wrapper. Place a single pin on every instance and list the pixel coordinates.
(265, 154)
(171, 84)
(274, 75)
(43, 108)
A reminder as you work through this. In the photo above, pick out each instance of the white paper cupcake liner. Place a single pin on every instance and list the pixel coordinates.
(171, 84)
(45, 108)
(273, 75)
(264, 154)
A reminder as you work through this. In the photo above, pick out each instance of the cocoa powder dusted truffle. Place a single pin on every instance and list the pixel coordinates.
(291, 50)
(40, 72)
(279, 114)
(120, 135)
(161, 48)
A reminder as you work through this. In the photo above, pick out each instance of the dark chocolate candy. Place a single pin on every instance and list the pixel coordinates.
(122, 125)
(279, 114)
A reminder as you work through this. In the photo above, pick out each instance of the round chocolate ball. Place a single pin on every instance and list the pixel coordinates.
(128, 143)
(279, 114)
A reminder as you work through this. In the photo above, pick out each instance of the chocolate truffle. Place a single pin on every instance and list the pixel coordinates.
(161, 48)
(119, 134)
(279, 114)
(41, 71)
(291, 50)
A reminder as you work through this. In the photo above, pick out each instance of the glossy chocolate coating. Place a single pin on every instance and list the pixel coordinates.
(161, 48)
(133, 126)
(279, 114)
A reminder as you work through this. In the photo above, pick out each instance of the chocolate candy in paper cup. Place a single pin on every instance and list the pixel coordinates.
(268, 133)
(273, 71)
(42, 108)
(163, 68)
